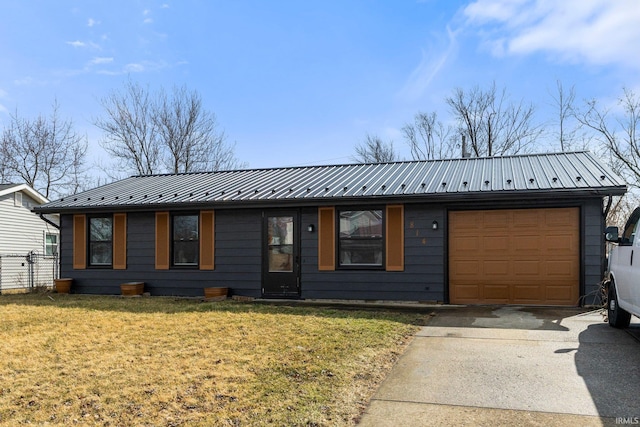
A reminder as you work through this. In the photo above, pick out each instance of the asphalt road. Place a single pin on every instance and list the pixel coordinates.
(513, 366)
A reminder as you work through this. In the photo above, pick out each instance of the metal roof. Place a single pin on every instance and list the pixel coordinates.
(491, 177)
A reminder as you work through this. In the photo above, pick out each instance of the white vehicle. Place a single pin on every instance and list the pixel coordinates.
(623, 275)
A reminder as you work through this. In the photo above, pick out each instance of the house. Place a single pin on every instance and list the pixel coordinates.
(28, 242)
(507, 230)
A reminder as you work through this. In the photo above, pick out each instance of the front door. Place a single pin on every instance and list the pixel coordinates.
(280, 265)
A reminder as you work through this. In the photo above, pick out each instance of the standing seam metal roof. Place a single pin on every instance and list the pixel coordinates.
(556, 172)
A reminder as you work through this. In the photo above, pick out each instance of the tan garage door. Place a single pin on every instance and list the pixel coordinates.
(518, 256)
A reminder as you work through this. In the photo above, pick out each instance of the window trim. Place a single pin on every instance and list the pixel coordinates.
(89, 241)
(57, 244)
(383, 239)
(172, 264)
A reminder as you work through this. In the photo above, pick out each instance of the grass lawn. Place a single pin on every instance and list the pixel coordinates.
(166, 362)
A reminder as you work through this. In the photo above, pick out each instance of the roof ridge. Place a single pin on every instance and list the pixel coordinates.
(358, 164)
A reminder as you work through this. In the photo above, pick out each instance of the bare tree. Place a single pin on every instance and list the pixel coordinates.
(152, 132)
(429, 138)
(618, 135)
(190, 134)
(563, 101)
(374, 150)
(492, 125)
(130, 133)
(616, 132)
(569, 131)
(5, 175)
(45, 153)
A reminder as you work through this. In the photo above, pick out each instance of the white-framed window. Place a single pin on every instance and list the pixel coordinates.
(50, 244)
(17, 199)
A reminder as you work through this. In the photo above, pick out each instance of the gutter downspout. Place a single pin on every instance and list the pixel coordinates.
(606, 210)
(48, 221)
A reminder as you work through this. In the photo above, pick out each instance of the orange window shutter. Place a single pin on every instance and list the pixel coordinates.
(207, 240)
(162, 240)
(395, 238)
(79, 242)
(326, 239)
(120, 241)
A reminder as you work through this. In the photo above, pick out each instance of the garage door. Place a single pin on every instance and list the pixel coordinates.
(518, 256)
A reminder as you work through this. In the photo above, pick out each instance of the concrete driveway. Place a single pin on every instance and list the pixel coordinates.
(513, 366)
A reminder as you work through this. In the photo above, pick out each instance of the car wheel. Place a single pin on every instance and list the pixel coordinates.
(618, 318)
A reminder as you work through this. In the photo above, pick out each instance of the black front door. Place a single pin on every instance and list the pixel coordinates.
(280, 259)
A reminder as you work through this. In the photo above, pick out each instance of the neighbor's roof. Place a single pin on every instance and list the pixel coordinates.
(513, 176)
(13, 188)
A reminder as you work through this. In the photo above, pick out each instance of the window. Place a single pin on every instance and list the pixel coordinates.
(280, 240)
(360, 241)
(50, 244)
(101, 241)
(630, 229)
(185, 242)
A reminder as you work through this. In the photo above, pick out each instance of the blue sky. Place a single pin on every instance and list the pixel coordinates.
(298, 83)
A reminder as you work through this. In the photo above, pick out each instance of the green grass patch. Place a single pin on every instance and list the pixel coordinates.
(167, 362)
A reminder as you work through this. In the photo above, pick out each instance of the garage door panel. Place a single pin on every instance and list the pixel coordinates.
(520, 256)
(561, 268)
(470, 244)
(468, 268)
(467, 293)
(529, 243)
(526, 268)
(496, 292)
(530, 293)
(496, 268)
(559, 242)
(495, 243)
(493, 219)
(561, 294)
(526, 219)
(565, 217)
(466, 220)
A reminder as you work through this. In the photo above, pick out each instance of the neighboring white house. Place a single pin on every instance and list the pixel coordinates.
(28, 243)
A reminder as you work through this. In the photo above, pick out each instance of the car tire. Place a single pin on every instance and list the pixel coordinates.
(618, 318)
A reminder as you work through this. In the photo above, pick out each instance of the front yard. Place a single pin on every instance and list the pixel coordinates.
(67, 359)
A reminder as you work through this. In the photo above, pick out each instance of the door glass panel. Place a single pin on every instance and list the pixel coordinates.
(280, 243)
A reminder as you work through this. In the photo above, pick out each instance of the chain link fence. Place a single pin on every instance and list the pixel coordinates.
(28, 272)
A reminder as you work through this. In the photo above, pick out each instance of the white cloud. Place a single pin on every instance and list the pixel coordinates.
(147, 19)
(3, 109)
(164, 6)
(101, 60)
(428, 68)
(81, 44)
(92, 22)
(134, 68)
(77, 43)
(29, 81)
(599, 32)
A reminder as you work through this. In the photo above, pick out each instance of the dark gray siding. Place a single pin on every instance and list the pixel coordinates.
(238, 262)
(238, 237)
(421, 280)
(593, 250)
